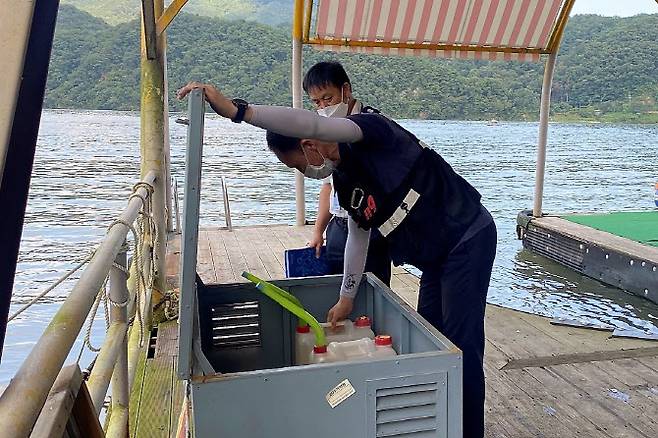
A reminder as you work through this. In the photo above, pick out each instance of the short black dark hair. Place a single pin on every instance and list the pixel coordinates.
(282, 143)
(325, 73)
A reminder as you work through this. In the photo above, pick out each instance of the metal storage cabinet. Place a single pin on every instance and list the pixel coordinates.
(249, 340)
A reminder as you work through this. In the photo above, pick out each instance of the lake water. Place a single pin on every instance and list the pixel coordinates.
(86, 163)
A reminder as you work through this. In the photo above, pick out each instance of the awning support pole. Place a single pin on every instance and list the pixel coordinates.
(298, 19)
(544, 112)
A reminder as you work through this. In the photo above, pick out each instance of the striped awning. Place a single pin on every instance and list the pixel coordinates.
(469, 29)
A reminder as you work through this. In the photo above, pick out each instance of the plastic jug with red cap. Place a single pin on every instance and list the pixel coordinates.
(381, 346)
(343, 331)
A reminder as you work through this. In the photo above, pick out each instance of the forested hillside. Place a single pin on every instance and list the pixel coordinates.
(263, 11)
(607, 68)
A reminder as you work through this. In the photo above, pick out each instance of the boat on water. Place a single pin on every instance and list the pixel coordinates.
(177, 368)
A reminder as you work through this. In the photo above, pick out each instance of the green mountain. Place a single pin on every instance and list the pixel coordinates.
(606, 70)
(263, 11)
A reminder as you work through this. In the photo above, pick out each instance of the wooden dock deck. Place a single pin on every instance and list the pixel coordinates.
(542, 380)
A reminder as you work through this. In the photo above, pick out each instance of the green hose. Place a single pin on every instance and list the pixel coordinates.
(251, 277)
(270, 290)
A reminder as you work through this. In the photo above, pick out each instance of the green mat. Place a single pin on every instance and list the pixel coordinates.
(639, 226)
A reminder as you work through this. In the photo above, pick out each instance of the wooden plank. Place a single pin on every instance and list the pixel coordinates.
(84, 420)
(205, 262)
(235, 256)
(553, 406)
(176, 403)
(246, 243)
(136, 394)
(224, 272)
(576, 404)
(166, 344)
(544, 361)
(155, 409)
(56, 411)
(575, 339)
(632, 422)
(619, 384)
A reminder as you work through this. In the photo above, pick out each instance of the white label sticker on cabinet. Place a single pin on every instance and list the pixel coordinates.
(340, 393)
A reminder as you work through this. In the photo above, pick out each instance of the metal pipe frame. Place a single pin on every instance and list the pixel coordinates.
(544, 113)
(99, 380)
(119, 294)
(25, 395)
(134, 347)
(227, 207)
(152, 139)
(297, 30)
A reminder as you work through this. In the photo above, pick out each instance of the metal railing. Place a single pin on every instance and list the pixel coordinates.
(23, 399)
(227, 207)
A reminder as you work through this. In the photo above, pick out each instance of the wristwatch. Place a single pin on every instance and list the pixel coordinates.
(242, 106)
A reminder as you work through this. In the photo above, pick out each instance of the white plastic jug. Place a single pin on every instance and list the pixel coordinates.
(305, 338)
(343, 331)
(362, 328)
(381, 346)
(304, 341)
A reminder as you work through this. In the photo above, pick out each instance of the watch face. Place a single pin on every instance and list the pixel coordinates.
(240, 102)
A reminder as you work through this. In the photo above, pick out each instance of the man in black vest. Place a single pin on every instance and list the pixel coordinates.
(430, 216)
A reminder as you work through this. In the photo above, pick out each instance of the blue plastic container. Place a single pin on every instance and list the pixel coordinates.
(302, 262)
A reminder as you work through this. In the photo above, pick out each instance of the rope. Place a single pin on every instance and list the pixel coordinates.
(141, 283)
(92, 316)
(53, 286)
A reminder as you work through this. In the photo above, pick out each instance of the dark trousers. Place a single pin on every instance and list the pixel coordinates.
(453, 298)
(378, 261)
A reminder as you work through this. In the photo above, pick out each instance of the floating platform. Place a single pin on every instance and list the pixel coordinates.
(543, 380)
(619, 249)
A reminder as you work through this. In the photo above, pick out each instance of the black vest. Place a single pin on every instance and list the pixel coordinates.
(424, 218)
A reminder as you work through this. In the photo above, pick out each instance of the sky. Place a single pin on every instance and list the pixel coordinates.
(621, 8)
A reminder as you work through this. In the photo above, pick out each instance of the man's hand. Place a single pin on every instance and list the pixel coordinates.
(340, 311)
(219, 103)
(316, 242)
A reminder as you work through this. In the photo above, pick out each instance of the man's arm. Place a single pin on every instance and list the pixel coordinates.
(324, 216)
(292, 122)
(356, 251)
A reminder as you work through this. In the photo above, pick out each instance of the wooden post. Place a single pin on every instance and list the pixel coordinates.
(152, 139)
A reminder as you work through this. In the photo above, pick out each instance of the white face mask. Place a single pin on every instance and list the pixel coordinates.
(319, 172)
(338, 110)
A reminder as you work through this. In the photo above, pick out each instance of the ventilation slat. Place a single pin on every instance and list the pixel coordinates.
(406, 400)
(235, 329)
(383, 392)
(406, 427)
(393, 415)
(236, 325)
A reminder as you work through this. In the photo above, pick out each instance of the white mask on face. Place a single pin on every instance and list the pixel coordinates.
(338, 110)
(319, 172)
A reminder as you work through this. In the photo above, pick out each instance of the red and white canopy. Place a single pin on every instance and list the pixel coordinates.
(470, 29)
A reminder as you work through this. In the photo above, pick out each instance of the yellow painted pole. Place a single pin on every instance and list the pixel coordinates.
(152, 143)
(297, 25)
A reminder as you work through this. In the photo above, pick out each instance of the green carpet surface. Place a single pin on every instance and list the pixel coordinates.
(639, 226)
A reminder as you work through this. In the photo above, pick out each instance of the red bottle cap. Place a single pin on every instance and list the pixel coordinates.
(383, 340)
(319, 349)
(362, 321)
(303, 329)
